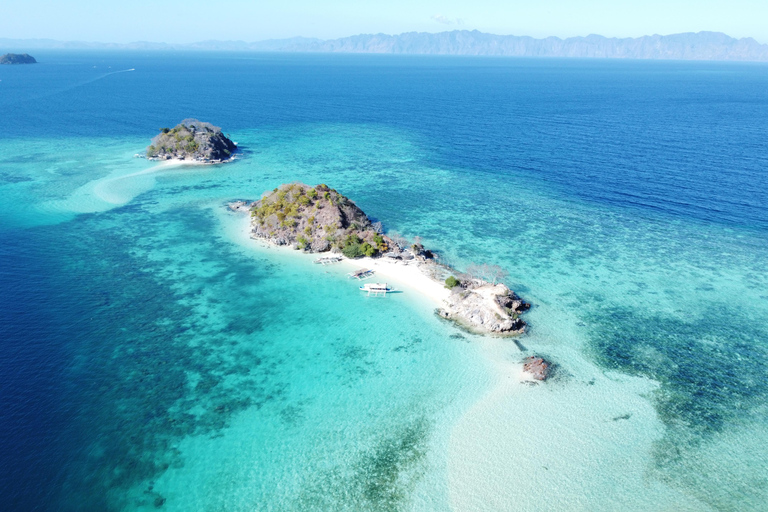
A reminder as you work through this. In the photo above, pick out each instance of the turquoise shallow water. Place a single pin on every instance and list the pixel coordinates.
(153, 357)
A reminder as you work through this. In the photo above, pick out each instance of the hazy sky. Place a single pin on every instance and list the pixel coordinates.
(177, 21)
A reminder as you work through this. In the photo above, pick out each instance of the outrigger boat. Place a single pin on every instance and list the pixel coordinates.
(361, 274)
(328, 260)
(376, 288)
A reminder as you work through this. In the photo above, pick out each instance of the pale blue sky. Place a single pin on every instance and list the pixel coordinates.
(177, 21)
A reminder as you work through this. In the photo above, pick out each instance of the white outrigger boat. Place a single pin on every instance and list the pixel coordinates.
(376, 288)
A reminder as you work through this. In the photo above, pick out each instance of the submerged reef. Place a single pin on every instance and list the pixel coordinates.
(192, 140)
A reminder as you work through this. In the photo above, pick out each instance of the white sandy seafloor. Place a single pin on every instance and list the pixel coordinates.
(567, 444)
(119, 188)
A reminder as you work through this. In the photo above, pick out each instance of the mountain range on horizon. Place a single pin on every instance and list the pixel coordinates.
(685, 46)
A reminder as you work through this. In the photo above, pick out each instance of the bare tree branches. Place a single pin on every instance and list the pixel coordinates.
(398, 239)
(490, 273)
(497, 274)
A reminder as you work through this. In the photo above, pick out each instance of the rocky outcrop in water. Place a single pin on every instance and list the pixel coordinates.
(240, 206)
(538, 367)
(485, 307)
(17, 58)
(192, 140)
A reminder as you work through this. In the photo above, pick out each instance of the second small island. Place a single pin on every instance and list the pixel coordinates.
(192, 140)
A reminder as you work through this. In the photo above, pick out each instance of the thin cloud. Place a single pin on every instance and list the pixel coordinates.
(443, 19)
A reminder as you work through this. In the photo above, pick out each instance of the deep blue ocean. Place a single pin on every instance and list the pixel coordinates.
(148, 360)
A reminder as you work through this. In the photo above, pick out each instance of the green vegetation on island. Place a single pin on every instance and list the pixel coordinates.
(17, 58)
(452, 282)
(192, 140)
(317, 219)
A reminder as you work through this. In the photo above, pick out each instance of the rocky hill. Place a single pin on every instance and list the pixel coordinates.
(17, 58)
(316, 219)
(192, 140)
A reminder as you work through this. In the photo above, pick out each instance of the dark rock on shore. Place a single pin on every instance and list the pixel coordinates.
(192, 140)
(17, 58)
(512, 303)
(239, 206)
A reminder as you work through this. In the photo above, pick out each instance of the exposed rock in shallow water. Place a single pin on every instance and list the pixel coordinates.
(239, 206)
(538, 367)
(480, 309)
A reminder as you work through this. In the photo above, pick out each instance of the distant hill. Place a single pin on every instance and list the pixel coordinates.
(687, 46)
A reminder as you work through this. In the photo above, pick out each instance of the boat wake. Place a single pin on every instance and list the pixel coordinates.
(76, 85)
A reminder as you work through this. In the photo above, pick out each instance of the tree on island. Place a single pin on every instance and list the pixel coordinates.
(491, 273)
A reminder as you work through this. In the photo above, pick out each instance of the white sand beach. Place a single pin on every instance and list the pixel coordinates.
(179, 161)
(409, 277)
(406, 276)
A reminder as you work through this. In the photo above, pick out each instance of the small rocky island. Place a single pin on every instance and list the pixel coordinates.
(319, 219)
(537, 367)
(17, 58)
(316, 219)
(192, 140)
(485, 307)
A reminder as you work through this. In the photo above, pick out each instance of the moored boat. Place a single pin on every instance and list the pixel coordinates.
(361, 274)
(328, 260)
(376, 288)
